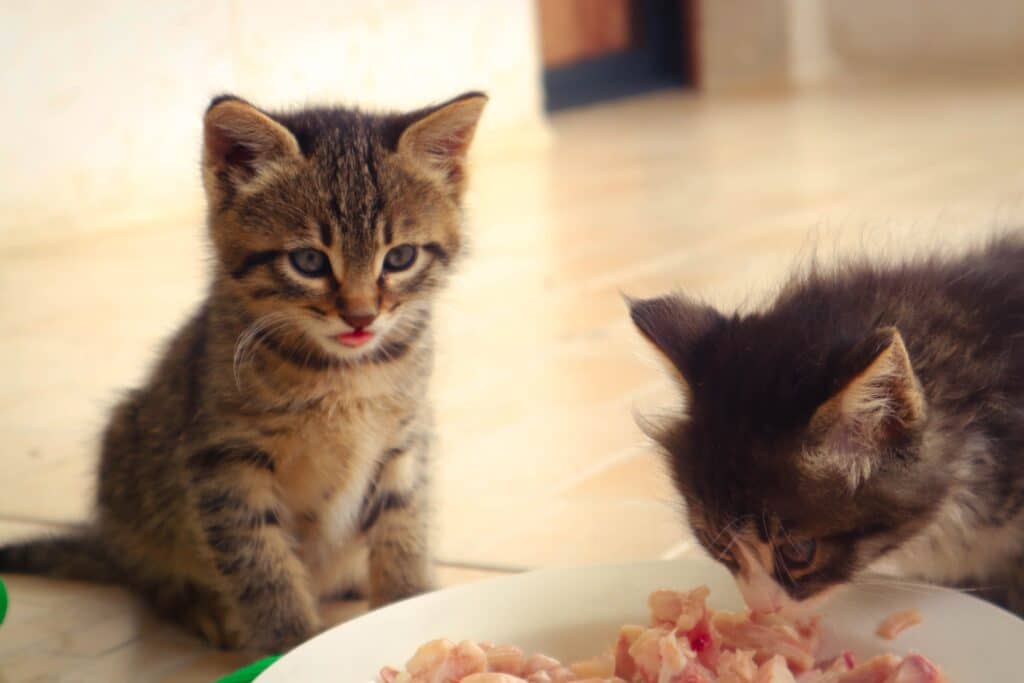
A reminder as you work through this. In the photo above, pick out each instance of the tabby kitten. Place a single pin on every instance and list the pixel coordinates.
(278, 454)
(871, 416)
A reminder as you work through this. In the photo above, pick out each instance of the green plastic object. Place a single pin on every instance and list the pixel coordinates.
(3, 601)
(248, 674)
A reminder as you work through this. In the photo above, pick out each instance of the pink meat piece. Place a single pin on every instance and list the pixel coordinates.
(696, 673)
(875, 670)
(916, 669)
(441, 661)
(705, 642)
(505, 659)
(674, 657)
(775, 670)
(657, 655)
(737, 666)
(602, 666)
(540, 662)
(682, 609)
(388, 674)
(646, 654)
(767, 639)
(814, 676)
(896, 623)
(562, 674)
(827, 672)
(492, 678)
(430, 657)
(625, 667)
(807, 631)
(467, 658)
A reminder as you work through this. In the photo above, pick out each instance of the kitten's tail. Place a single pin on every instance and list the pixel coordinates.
(79, 555)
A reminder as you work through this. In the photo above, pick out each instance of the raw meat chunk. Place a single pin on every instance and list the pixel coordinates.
(686, 643)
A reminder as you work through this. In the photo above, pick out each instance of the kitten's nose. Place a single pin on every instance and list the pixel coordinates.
(359, 320)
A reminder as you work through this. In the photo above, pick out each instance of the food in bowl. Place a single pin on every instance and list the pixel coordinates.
(686, 642)
(897, 623)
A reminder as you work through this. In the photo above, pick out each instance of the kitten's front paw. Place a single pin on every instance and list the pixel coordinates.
(280, 632)
(221, 635)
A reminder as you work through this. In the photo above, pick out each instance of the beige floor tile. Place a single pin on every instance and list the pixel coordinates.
(577, 531)
(56, 492)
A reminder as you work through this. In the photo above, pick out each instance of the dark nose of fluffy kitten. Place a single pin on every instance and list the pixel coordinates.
(360, 319)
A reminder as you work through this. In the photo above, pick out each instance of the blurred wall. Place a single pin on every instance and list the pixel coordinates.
(933, 35)
(742, 44)
(105, 97)
(754, 44)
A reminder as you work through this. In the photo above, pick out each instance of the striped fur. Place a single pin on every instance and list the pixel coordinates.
(264, 466)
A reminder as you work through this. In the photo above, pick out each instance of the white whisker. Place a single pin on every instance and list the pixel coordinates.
(245, 346)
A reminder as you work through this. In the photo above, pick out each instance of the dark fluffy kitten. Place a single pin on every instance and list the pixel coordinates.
(872, 415)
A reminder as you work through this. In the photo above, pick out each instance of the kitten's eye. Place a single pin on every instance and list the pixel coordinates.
(798, 553)
(400, 257)
(309, 262)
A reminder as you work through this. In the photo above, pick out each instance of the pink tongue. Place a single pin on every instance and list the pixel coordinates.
(355, 338)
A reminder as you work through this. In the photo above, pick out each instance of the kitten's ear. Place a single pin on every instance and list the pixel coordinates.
(876, 412)
(239, 140)
(674, 325)
(437, 139)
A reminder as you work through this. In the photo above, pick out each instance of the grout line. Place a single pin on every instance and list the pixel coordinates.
(597, 468)
(637, 449)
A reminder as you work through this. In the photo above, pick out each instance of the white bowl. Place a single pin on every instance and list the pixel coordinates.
(576, 612)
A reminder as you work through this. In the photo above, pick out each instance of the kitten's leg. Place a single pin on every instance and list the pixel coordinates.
(1014, 600)
(396, 517)
(201, 610)
(265, 585)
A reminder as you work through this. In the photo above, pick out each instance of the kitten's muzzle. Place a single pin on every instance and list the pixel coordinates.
(359, 321)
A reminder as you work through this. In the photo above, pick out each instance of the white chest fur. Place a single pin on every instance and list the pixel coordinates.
(331, 459)
(335, 552)
(341, 512)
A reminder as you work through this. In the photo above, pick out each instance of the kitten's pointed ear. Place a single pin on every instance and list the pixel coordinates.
(876, 412)
(674, 325)
(239, 141)
(437, 139)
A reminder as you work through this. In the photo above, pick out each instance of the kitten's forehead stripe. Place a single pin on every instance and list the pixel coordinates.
(326, 234)
(254, 260)
(351, 177)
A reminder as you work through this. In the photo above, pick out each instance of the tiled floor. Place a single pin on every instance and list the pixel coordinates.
(540, 374)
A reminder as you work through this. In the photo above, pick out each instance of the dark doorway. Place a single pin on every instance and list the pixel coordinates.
(596, 50)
